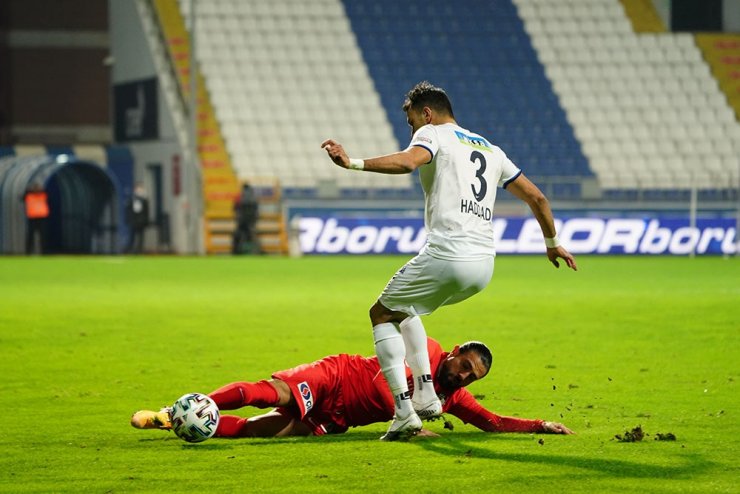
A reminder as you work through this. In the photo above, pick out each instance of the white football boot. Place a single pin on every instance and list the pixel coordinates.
(429, 410)
(402, 428)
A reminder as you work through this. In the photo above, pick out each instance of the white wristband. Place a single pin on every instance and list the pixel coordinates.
(356, 164)
(552, 243)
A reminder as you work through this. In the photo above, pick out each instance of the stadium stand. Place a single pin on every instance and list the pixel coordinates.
(282, 73)
(220, 183)
(645, 107)
(480, 53)
(569, 90)
(573, 91)
(283, 76)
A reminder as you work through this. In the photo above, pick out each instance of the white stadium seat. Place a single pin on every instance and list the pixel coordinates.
(644, 107)
(253, 53)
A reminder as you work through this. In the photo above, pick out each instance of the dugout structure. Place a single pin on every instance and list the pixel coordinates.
(85, 210)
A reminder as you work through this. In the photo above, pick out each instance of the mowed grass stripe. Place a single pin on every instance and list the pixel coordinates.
(625, 341)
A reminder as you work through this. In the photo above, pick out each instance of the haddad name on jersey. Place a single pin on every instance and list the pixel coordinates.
(475, 208)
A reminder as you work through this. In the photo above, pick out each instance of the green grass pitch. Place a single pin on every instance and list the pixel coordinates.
(626, 341)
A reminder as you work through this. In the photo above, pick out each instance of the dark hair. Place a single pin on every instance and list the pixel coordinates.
(425, 94)
(483, 352)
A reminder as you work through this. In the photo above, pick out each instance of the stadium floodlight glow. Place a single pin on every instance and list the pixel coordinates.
(62, 158)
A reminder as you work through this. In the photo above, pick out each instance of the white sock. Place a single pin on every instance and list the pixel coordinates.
(417, 357)
(390, 350)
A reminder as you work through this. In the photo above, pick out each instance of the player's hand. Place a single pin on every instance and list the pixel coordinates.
(426, 433)
(555, 252)
(336, 153)
(555, 428)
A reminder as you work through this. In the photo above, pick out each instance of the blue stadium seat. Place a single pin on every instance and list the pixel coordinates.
(479, 52)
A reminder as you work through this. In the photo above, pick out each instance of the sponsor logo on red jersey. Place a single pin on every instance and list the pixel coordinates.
(306, 396)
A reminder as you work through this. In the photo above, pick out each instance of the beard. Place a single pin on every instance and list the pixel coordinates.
(448, 380)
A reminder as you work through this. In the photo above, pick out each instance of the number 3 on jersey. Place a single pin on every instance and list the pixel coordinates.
(477, 156)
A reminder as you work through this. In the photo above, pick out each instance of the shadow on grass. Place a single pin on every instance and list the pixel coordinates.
(473, 445)
(480, 448)
(228, 444)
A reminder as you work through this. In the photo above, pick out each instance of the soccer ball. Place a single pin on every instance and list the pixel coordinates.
(195, 417)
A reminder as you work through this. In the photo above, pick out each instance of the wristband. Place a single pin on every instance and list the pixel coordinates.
(356, 164)
(552, 243)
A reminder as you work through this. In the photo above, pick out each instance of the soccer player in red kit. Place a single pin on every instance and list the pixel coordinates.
(341, 391)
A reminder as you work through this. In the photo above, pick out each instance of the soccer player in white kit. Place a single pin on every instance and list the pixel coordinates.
(459, 172)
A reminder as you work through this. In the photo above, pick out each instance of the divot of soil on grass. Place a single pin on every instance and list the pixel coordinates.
(668, 436)
(637, 435)
(633, 436)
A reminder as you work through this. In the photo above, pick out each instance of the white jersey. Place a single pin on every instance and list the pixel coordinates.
(460, 190)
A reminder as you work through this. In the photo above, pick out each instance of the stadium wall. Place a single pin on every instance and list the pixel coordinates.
(157, 156)
(54, 80)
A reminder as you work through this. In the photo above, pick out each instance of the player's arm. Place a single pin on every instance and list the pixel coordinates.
(467, 409)
(397, 163)
(525, 190)
(488, 421)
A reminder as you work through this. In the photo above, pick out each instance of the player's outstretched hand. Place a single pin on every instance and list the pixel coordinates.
(336, 153)
(555, 428)
(560, 252)
(426, 433)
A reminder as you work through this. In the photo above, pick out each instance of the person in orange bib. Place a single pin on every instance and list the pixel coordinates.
(37, 212)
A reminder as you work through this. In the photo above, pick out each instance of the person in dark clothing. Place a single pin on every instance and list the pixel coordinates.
(137, 218)
(246, 211)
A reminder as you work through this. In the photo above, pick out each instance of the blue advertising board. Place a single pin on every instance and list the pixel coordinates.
(580, 235)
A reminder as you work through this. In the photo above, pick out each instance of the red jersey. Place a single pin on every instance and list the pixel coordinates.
(343, 391)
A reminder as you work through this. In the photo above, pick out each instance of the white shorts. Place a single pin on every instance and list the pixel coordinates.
(426, 283)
